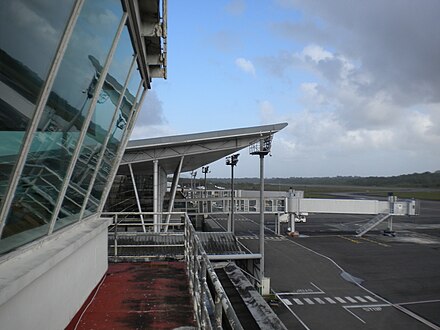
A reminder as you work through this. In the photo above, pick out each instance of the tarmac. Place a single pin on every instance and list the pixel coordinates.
(329, 279)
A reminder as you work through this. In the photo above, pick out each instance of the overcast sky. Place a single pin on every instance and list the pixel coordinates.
(358, 82)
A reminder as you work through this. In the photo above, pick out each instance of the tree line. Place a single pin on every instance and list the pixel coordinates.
(414, 180)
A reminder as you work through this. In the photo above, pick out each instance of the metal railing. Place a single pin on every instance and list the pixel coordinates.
(212, 307)
(210, 299)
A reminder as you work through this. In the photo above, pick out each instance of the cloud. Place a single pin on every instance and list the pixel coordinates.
(151, 113)
(37, 26)
(150, 131)
(245, 65)
(316, 54)
(395, 41)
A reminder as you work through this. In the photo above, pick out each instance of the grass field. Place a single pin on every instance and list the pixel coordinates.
(316, 191)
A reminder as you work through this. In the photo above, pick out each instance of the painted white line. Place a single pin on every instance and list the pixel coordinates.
(319, 289)
(371, 299)
(330, 300)
(418, 318)
(293, 313)
(320, 301)
(360, 299)
(354, 315)
(298, 302)
(368, 306)
(286, 302)
(419, 302)
(350, 299)
(400, 308)
(302, 292)
(309, 301)
(342, 301)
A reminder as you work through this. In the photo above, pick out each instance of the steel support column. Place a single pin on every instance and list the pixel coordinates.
(156, 195)
(107, 139)
(261, 216)
(173, 192)
(138, 202)
(130, 124)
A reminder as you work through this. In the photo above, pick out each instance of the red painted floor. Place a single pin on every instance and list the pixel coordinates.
(153, 295)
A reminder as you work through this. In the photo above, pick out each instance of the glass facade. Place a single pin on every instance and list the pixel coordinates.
(81, 128)
(103, 137)
(25, 59)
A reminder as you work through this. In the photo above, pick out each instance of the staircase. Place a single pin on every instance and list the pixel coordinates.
(371, 224)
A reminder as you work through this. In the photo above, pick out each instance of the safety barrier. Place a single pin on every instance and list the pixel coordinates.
(212, 308)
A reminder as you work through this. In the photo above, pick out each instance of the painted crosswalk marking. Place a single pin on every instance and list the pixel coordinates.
(270, 238)
(302, 301)
(371, 299)
(286, 301)
(320, 301)
(298, 301)
(360, 299)
(309, 301)
(330, 300)
(350, 299)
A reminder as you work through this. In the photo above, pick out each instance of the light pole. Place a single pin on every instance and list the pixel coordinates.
(262, 148)
(193, 177)
(232, 161)
(205, 170)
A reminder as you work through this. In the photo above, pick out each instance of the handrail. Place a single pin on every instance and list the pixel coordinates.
(202, 276)
(212, 307)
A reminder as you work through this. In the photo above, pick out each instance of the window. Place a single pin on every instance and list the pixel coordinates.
(25, 59)
(54, 143)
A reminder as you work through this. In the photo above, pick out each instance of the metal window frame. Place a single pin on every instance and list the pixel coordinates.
(86, 123)
(132, 119)
(107, 139)
(40, 106)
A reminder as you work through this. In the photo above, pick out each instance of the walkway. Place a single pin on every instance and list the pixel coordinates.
(153, 295)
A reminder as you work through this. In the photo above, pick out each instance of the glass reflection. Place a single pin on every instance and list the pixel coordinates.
(114, 143)
(25, 58)
(63, 118)
(107, 122)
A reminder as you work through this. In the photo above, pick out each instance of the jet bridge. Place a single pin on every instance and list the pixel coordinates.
(293, 207)
(298, 207)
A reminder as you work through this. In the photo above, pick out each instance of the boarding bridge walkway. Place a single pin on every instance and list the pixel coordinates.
(292, 205)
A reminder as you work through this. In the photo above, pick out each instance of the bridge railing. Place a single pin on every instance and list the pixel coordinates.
(212, 307)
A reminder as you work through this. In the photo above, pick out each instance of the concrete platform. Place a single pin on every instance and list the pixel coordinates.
(153, 295)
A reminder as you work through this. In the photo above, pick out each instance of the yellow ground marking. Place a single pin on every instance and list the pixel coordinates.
(375, 242)
(350, 239)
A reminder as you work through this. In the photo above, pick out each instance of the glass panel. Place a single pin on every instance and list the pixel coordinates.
(114, 142)
(98, 132)
(25, 58)
(63, 118)
(280, 205)
(252, 205)
(268, 205)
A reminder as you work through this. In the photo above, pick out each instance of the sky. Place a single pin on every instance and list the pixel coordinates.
(358, 83)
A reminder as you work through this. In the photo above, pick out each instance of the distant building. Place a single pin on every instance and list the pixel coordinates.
(73, 74)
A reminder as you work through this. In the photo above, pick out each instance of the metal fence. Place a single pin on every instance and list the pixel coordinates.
(212, 308)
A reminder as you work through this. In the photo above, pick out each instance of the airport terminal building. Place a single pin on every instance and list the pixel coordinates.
(73, 74)
(73, 77)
